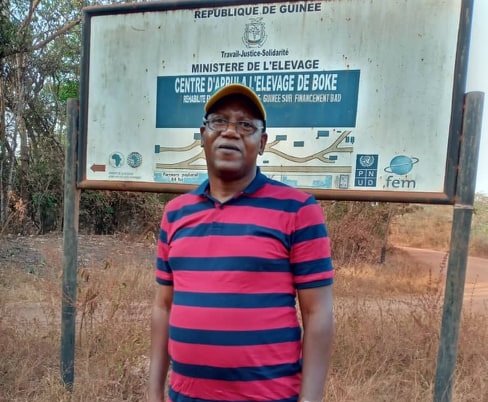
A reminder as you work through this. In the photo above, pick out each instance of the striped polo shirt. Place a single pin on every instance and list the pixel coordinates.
(235, 268)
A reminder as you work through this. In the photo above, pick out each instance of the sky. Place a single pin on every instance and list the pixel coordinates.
(477, 80)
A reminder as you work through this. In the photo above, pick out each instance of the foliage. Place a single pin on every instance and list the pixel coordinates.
(67, 90)
(45, 184)
(39, 54)
(359, 230)
(109, 212)
(40, 51)
(479, 227)
(431, 226)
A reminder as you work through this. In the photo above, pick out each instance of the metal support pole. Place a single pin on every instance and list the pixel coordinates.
(461, 226)
(70, 249)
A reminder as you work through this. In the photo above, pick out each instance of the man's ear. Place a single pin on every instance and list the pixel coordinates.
(262, 143)
(202, 131)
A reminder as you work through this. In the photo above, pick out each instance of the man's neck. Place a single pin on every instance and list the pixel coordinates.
(223, 189)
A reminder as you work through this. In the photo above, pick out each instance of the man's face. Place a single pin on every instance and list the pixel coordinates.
(231, 155)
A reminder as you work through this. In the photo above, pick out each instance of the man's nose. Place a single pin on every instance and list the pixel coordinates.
(233, 131)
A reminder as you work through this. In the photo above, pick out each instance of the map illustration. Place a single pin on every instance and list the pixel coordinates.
(329, 161)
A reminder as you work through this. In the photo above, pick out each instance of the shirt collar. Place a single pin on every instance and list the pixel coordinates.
(258, 182)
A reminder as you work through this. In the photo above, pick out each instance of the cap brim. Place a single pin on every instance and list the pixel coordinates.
(236, 89)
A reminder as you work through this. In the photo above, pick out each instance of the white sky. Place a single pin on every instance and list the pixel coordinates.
(477, 80)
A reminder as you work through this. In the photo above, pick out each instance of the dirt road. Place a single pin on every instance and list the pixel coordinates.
(476, 286)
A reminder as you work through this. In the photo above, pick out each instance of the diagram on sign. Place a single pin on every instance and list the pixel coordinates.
(320, 164)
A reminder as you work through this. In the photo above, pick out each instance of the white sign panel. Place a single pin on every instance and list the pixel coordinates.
(359, 94)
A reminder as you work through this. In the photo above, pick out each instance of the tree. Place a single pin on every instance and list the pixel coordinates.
(39, 57)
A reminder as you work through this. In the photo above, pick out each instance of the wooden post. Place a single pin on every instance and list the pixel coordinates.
(458, 255)
(70, 249)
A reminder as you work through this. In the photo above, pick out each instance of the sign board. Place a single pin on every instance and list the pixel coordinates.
(364, 98)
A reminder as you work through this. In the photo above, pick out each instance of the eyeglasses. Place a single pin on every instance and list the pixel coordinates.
(219, 124)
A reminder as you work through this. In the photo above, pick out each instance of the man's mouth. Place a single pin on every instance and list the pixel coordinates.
(227, 147)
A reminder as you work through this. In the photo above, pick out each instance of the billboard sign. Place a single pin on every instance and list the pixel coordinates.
(364, 98)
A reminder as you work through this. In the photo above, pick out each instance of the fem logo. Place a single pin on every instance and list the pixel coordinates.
(400, 165)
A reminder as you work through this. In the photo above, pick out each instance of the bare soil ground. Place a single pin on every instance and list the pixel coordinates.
(476, 283)
(43, 255)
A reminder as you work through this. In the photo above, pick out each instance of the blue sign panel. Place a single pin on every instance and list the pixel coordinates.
(297, 99)
(366, 170)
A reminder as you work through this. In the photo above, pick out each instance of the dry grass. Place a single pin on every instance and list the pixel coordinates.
(429, 226)
(112, 335)
(388, 323)
(388, 320)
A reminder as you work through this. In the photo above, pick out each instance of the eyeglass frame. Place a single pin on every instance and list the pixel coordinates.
(207, 120)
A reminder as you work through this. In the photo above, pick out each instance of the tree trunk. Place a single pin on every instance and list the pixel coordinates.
(20, 128)
(7, 155)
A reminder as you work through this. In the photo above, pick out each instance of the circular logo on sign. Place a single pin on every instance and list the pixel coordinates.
(366, 161)
(401, 165)
(134, 159)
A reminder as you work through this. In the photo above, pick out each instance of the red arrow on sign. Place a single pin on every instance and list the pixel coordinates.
(97, 168)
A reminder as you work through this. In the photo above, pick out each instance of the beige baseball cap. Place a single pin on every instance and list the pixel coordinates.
(235, 89)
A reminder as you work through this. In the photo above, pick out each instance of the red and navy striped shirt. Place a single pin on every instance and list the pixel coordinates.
(235, 268)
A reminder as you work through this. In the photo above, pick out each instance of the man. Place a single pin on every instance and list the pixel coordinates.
(232, 256)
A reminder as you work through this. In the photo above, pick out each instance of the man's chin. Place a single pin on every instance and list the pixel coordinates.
(229, 172)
